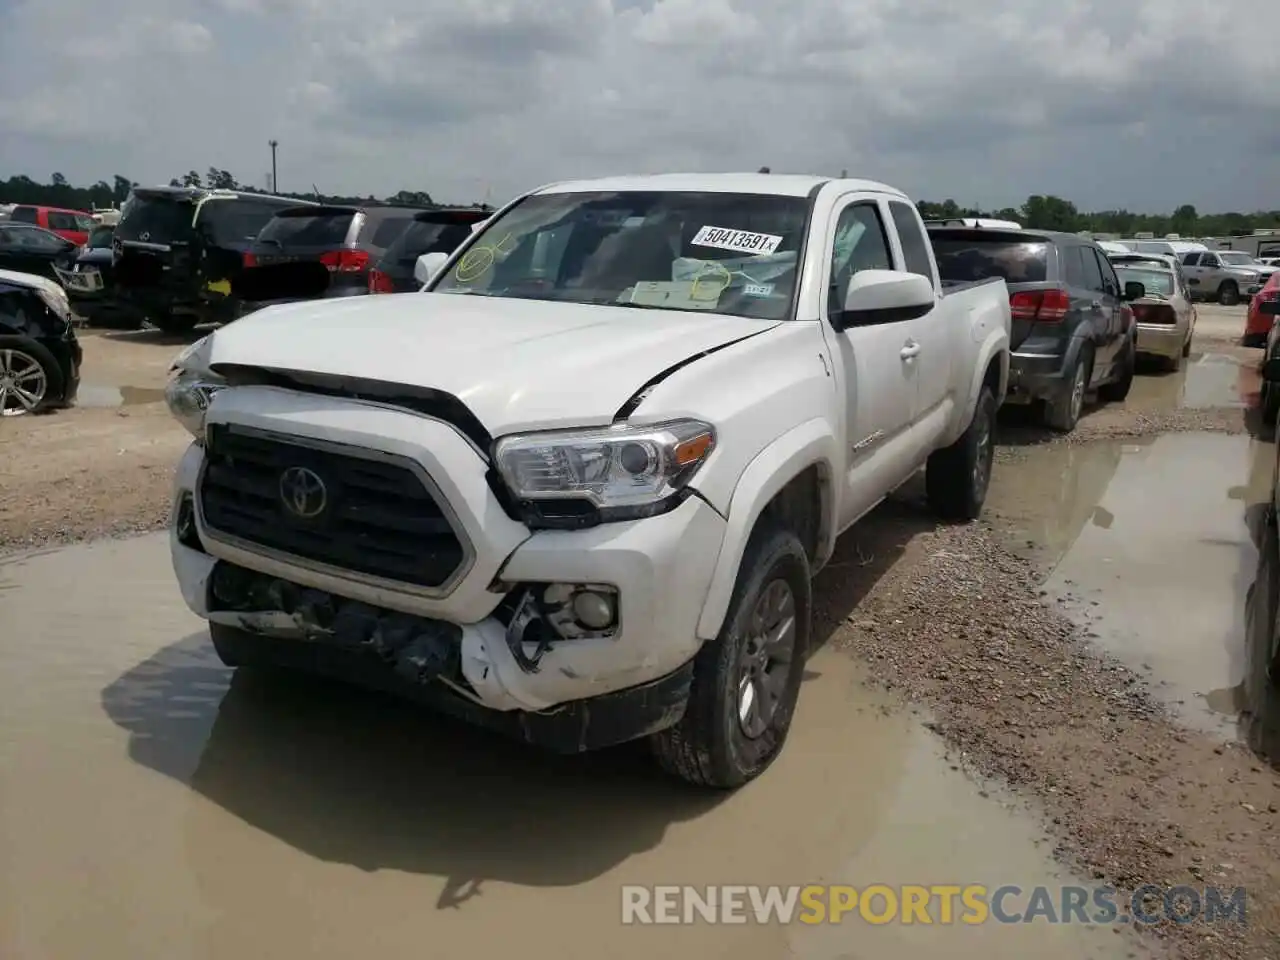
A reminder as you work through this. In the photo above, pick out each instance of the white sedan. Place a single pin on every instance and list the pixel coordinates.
(1166, 317)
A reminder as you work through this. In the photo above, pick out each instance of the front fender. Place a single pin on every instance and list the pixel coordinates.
(812, 443)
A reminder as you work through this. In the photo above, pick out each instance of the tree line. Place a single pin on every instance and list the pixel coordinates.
(1038, 212)
(59, 193)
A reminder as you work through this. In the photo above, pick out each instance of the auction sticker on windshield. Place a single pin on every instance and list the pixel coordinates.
(742, 241)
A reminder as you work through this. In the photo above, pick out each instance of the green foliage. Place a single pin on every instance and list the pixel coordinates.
(1054, 213)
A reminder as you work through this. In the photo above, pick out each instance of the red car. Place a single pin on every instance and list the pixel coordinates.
(1258, 324)
(73, 225)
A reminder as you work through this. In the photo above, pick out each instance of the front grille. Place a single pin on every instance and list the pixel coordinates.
(364, 515)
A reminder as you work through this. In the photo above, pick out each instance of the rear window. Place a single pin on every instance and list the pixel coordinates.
(428, 237)
(235, 222)
(387, 231)
(981, 258)
(161, 219)
(23, 215)
(1156, 281)
(293, 230)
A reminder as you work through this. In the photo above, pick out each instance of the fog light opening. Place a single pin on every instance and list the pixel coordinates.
(579, 610)
(184, 524)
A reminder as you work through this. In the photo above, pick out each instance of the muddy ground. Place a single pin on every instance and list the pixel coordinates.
(971, 627)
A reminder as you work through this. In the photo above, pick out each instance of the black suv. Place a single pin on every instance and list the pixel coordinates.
(432, 231)
(347, 240)
(176, 251)
(1073, 331)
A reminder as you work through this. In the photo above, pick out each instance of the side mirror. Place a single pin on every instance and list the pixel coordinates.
(1134, 290)
(429, 265)
(1270, 308)
(1271, 370)
(884, 296)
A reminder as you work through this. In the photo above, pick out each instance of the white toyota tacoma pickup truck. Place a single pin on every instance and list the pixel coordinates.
(577, 488)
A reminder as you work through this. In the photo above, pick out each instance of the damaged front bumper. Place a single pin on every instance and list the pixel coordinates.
(486, 650)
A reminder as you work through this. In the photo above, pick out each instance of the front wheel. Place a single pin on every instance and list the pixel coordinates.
(956, 477)
(1228, 293)
(747, 680)
(174, 323)
(30, 378)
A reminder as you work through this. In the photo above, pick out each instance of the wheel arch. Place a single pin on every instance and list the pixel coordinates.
(793, 481)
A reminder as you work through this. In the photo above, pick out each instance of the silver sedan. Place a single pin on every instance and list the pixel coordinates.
(1165, 316)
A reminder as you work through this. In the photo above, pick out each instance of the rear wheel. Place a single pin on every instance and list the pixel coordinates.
(174, 323)
(747, 680)
(30, 379)
(1228, 293)
(1186, 347)
(1063, 412)
(1118, 389)
(1269, 403)
(957, 477)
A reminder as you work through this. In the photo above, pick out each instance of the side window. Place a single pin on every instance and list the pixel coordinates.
(1092, 272)
(860, 244)
(61, 221)
(1110, 282)
(1191, 259)
(915, 247)
(85, 223)
(1210, 260)
(23, 215)
(1073, 266)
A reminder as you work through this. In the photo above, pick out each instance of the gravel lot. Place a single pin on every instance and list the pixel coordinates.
(951, 619)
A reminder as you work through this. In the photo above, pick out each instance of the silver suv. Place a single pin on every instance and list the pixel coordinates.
(1224, 275)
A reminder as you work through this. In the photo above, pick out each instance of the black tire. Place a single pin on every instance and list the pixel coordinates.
(24, 348)
(234, 647)
(1228, 293)
(1118, 389)
(709, 747)
(1063, 412)
(1269, 404)
(1186, 347)
(174, 323)
(957, 477)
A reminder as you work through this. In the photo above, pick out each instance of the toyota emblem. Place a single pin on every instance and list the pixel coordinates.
(303, 493)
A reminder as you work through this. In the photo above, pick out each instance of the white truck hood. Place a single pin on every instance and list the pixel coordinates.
(517, 364)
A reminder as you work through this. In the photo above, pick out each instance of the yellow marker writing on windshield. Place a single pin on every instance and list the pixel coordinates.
(476, 262)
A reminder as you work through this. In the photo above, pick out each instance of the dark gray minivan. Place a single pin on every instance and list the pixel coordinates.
(1073, 331)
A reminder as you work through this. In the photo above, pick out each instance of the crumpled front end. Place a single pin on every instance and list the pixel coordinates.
(381, 536)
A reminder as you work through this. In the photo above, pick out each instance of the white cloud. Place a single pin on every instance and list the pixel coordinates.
(1137, 103)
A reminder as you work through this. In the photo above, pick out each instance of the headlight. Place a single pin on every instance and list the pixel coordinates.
(191, 386)
(624, 471)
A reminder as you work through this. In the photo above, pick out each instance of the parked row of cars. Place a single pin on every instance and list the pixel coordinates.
(1082, 313)
(177, 254)
(1225, 276)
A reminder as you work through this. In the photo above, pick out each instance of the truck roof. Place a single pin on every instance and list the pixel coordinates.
(776, 184)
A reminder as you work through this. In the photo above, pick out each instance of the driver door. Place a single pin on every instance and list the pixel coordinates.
(875, 363)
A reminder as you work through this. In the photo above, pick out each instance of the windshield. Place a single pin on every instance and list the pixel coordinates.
(100, 238)
(161, 219)
(1158, 282)
(1237, 259)
(723, 253)
(327, 229)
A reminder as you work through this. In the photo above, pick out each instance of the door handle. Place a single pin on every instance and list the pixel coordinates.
(910, 351)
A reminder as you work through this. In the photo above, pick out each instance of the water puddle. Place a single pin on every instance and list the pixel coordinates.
(1150, 550)
(151, 796)
(91, 395)
(1204, 380)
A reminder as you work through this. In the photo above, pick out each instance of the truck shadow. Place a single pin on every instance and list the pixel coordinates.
(864, 555)
(359, 778)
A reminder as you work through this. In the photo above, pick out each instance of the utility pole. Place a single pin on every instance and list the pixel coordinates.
(275, 181)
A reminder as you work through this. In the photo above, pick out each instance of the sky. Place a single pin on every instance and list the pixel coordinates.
(1136, 104)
